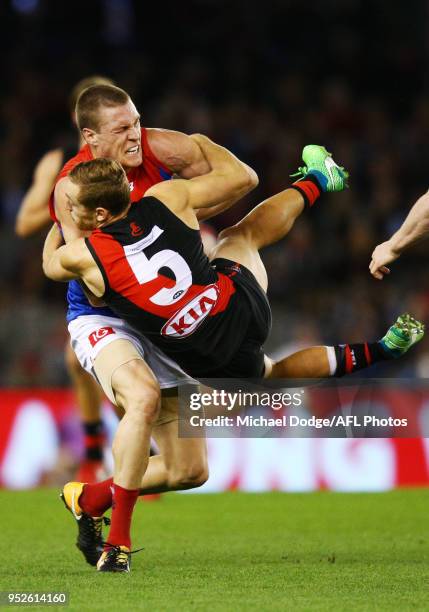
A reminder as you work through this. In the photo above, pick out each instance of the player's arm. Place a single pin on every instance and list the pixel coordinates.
(70, 230)
(178, 152)
(183, 155)
(228, 178)
(33, 214)
(58, 258)
(203, 214)
(414, 228)
(71, 261)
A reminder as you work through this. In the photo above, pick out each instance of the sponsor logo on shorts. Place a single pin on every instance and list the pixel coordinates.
(99, 334)
(187, 319)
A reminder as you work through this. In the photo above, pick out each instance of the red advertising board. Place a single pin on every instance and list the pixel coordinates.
(39, 427)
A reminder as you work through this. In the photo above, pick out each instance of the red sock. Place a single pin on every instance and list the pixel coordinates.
(122, 509)
(309, 188)
(96, 498)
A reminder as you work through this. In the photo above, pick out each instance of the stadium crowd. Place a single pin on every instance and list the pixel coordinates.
(263, 83)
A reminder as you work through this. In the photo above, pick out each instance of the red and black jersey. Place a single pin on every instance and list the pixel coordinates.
(159, 280)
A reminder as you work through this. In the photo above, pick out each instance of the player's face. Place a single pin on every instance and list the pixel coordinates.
(119, 135)
(84, 218)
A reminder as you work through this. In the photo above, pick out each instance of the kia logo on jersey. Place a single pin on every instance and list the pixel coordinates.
(187, 319)
(136, 230)
(99, 334)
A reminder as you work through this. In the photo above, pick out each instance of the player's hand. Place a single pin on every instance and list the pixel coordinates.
(383, 254)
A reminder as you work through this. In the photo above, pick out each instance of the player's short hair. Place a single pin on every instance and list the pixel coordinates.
(90, 81)
(103, 183)
(92, 99)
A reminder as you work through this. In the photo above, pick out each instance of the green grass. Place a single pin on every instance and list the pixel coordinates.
(233, 551)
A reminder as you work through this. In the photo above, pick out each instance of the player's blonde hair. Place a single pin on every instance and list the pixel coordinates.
(91, 99)
(103, 183)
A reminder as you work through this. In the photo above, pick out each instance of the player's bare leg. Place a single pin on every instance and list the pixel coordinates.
(137, 392)
(325, 361)
(273, 219)
(267, 223)
(129, 382)
(182, 463)
(89, 399)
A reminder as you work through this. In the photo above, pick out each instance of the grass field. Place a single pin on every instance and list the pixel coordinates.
(233, 551)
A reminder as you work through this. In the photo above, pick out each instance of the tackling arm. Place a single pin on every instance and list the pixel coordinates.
(414, 228)
(71, 261)
(55, 255)
(228, 179)
(185, 156)
(207, 213)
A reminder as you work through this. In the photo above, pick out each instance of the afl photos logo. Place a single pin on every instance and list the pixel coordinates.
(187, 319)
(99, 334)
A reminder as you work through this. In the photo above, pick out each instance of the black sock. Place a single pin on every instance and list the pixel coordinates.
(353, 357)
(94, 440)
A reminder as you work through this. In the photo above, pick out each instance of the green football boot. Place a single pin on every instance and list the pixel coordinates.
(402, 335)
(317, 160)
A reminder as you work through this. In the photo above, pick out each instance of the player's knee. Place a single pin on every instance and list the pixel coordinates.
(241, 233)
(143, 403)
(189, 477)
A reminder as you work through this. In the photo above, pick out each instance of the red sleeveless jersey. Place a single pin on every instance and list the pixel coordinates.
(150, 172)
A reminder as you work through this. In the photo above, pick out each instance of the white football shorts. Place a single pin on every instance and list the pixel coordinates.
(89, 334)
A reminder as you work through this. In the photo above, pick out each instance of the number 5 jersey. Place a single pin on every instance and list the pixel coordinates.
(212, 318)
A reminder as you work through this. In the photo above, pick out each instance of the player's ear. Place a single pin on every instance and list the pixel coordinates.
(90, 136)
(101, 215)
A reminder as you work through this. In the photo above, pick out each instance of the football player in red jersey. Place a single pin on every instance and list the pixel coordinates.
(109, 348)
(33, 216)
(121, 268)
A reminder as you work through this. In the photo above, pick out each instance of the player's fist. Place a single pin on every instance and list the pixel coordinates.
(383, 254)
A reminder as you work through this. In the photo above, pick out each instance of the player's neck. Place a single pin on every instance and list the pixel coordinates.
(113, 218)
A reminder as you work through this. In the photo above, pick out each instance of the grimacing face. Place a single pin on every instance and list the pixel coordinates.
(84, 218)
(118, 135)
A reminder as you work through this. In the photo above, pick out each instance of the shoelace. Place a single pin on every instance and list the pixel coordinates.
(120, 551)
(96, 525)
(121, 556)
(302, 170)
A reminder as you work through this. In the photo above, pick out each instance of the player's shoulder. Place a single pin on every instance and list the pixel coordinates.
(61, 185)
(60, 198)
(159, 137)
(84, 154)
